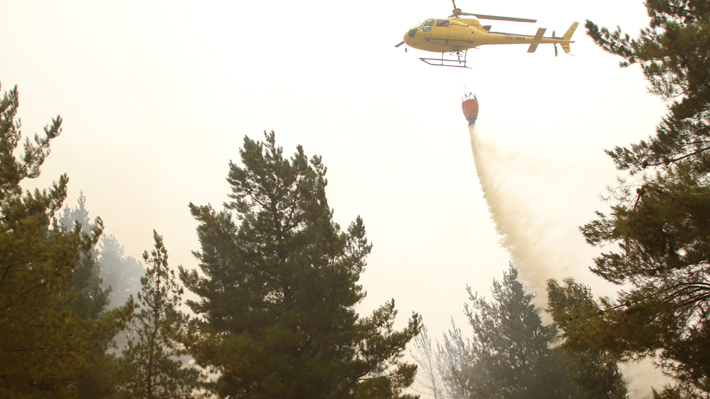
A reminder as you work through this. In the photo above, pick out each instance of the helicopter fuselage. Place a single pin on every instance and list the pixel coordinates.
(459, 34)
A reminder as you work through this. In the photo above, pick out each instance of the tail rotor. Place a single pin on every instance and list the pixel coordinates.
(553, 35)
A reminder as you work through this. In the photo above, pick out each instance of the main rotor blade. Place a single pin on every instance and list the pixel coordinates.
(497, 18)
(400, 44)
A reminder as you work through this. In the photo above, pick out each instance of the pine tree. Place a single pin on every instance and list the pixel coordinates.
(105, 277)
(278, 290)
(425, 355)
(673, 52)
(456, 363)
(662, 228)
(513, 355)
(592, 367)
(120, 272)
(45, 346)
(91, 299)
(150, 364)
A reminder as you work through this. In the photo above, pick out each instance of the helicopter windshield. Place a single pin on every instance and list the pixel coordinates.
(429, 22)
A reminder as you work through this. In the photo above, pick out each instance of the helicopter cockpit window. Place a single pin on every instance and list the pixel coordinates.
(426, 29)
(429, 22)
(442, 22)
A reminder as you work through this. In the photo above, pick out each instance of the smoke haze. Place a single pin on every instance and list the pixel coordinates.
(536, 216)
(529, 214)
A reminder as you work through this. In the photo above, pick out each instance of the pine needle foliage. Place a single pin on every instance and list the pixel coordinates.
(278, 290)
(86, 281)
(150, 365)
(592, 367)
(674, 54)
(660, 228)
(46, 346)
(512, 355)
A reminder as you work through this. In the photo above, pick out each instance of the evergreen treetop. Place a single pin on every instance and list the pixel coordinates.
(91, 298)
(150, 366)
(512, 355)
(673, 53)
(278, 290)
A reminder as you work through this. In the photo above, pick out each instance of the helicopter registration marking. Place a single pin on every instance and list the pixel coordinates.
(515, 37)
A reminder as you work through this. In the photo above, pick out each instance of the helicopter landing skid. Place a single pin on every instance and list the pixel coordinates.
(459, 62)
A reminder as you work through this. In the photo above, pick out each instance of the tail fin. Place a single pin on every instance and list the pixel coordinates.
(568, 36)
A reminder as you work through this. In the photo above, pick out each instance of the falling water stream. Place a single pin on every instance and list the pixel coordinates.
(530, 203)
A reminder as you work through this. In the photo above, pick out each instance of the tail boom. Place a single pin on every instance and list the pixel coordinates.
(536, 40)
(563, 41)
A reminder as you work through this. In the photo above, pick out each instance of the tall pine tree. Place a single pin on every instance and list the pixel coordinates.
(278, 290)
(86, 281)
(92, 296)
(514, 356)
(150, 364)
(660, 229)
(46, 346)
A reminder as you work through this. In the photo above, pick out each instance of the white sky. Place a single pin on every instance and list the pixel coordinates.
(157, 97)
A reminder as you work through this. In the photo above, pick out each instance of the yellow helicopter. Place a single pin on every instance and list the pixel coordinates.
(456, 35)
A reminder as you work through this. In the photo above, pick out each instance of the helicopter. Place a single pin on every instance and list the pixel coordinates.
(456, 35)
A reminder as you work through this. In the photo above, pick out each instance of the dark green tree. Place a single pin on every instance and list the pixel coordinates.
(150, 364)
(278, 290)
(661, 230)
(593, 369)
(46, 346)
(513, 355)
(92, 296)
(673, 52)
